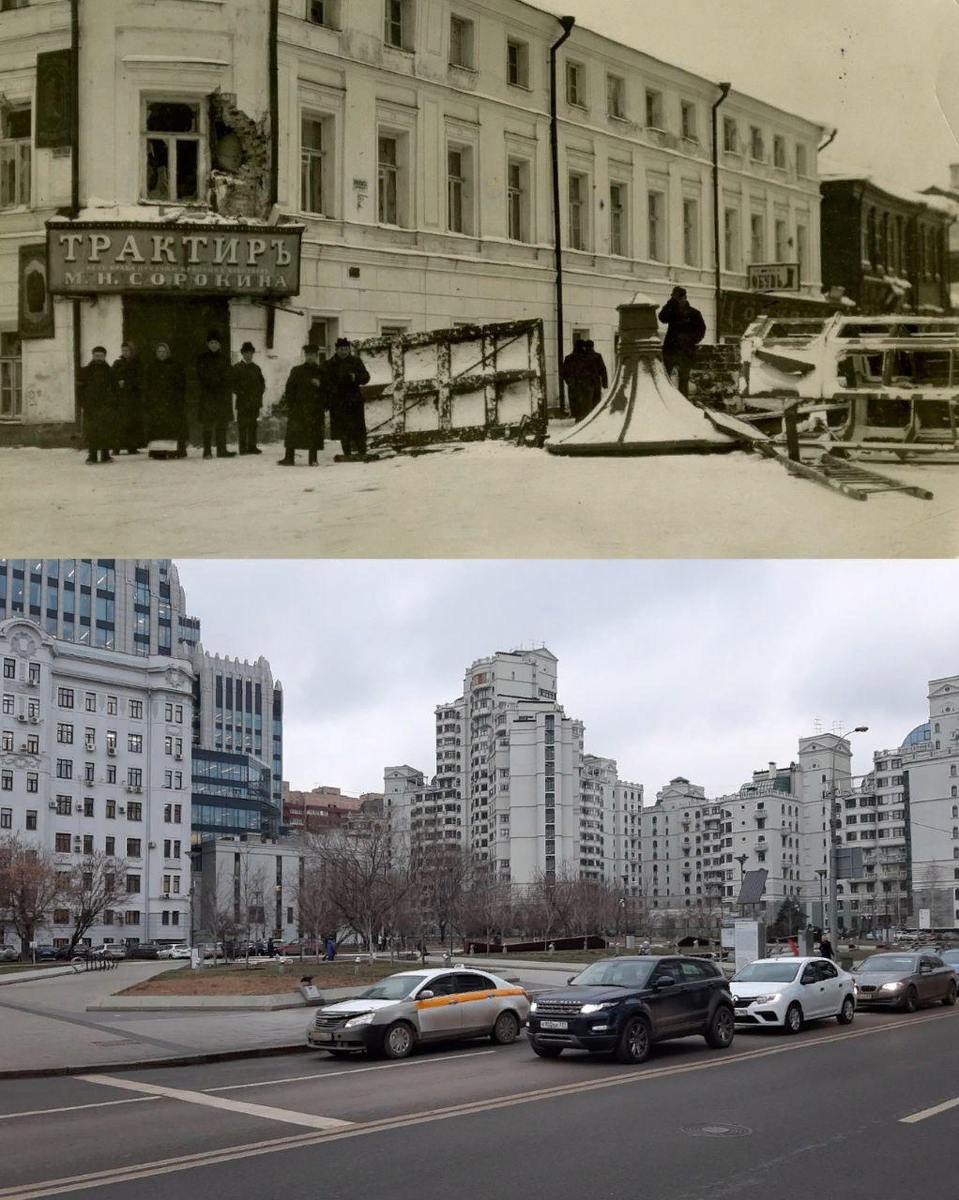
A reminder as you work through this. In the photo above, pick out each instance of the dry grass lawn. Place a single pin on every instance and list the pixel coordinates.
(238, 980)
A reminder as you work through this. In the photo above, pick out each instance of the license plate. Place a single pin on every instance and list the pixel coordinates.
(323, 1035)
(554, 1024)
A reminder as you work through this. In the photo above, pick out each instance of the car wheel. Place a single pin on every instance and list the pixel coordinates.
(722, 1029)
(950, 997)
(910, 1002)
(847, 1012)
(398, 1040)
(635, 1042)
(794, 1019)
(545, 1051)
(505, 1029)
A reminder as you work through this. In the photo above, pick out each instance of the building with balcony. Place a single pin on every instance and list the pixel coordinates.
(95, 758)
(309, 170)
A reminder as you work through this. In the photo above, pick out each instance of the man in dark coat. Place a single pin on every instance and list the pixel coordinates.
(686, 329)
(583, 379)
(248, 386)
(98, 403)
(303, 396)
(345, 375)
(216, 399)
(165, 392)
(126, 372)
(599, 365)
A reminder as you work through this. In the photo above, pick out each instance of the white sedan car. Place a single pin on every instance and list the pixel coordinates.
(181, 951)
(785, 993)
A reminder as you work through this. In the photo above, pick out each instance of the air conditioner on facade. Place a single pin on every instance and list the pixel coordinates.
(166, 895)
(138, 790)
(21, 717)
(112, 750)
(128, 788)
(33, 683)
(151, 845)
(53, 804)
(23, 746)
(178, 757)
(122, 812)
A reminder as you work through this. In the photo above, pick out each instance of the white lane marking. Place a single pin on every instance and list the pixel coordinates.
(240, 1106)
(45, 1112)
(929, 1112)
(229, 1154)
(416, 1062)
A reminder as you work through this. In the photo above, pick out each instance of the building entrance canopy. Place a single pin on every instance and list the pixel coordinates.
(148, 257)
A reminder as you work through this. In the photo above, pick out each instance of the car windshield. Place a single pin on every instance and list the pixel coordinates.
(767, 972)
(396, 987)
(891, 964)
(625, 973)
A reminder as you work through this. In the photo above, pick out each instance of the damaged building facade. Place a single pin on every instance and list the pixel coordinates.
(286, 170)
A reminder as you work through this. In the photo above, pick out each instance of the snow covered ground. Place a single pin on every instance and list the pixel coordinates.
(485, 499)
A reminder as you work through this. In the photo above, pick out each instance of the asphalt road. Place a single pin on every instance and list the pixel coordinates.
(870, 1109)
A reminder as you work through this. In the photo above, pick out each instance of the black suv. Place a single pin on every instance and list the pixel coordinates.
(624, 1005)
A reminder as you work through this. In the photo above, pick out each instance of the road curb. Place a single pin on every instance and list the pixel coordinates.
(183, 1060)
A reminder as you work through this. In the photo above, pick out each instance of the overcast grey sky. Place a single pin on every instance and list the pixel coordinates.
(703, 669)
(885, 72)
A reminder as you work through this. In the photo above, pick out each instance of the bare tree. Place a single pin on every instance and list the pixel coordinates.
(441, 874)
(318, 914)
(94, 884)
(31, 884)
(594, 907)
(219, 916)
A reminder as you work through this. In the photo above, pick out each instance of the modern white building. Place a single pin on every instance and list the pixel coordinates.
(248, 887)
(320, 168)
(95, 753)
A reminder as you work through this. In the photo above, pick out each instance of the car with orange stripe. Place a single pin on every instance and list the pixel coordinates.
(396, 1014)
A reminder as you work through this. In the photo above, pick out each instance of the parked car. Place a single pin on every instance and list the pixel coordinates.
(46, 951)
(950, 958)
(9, 954)
(624, 1005)
(898, 980)
(113, 949)
(398, 1012)
(179, 951)
(785, 993)
(143, 950)
(79, 953)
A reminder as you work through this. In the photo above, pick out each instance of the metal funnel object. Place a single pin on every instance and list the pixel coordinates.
(642, 413)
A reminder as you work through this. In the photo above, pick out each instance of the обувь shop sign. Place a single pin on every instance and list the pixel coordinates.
(109, 258)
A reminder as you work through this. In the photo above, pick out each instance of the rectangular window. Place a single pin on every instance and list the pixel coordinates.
(731, 239)
(88, 843)
(801, 168)
(134, 777)
(779, 151)
(654, 109)
(781, 234)
(517, 200)
(9, 668)
(315, 186)
(177, 813)
(757, 238)
(387, 181)
(323, 12)
(133, 847)
(111, 706)
(65, 697)
(88, 806)
(687, 121)
(133, 884)
(691, 233)
(578, 215)
(61, 843)
(15, 152)
(11, 378)
(617, 219)
(64, 806)
(517, 63)
(756, 148)
(397, 24)
(131, 916)
(111, 809)
(90, 701)
(171, 140)
(458, 190)
(135, 743)
(31, 819)
(64, 768)
(6, 818)
(33, 782)
(136, 710)
(802, 249)
(65, 734)
(461, 42)
(616, 97)
(656, 202)
(110, 846)
(135, 811)
(575, 84)
(730, 135)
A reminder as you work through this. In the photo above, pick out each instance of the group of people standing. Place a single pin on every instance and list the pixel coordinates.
(129, 406)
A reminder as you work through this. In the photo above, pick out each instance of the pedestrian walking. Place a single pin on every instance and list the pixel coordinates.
(126, 372)
(825, 948)
(270, 948)
(345, 375)
(248, 386)
(583, 379)
(164, 389)
(216, 399)
(685, 330)
(599, 364)
(331, 949)
(303, 396)
(98, 403)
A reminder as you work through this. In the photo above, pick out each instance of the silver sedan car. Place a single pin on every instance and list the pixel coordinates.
(392, 1016)
(904, 980)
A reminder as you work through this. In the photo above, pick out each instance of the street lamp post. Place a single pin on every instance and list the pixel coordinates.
(834, 844)
(822, 873)
(742, 860)
(625, 912)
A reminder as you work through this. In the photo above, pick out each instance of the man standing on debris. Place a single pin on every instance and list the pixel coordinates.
(98, 400)
(303, 396)
(345, 375)
(248, 386)
(216, 398)
(126, 373)
(686, 329)
(584, 374)
(165, 389)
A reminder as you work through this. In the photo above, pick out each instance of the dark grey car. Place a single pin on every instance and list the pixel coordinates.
(905, 981)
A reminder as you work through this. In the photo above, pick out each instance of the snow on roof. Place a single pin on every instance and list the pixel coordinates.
(937, 203)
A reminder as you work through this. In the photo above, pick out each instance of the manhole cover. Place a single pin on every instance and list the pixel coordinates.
(716, 1129)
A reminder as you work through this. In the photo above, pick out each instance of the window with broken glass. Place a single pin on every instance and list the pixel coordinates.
(15, 149)
(171, 141)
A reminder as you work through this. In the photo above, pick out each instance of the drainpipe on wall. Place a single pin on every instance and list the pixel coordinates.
(75, 187)
(274, 139)
(724, 89)
(567, 24)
